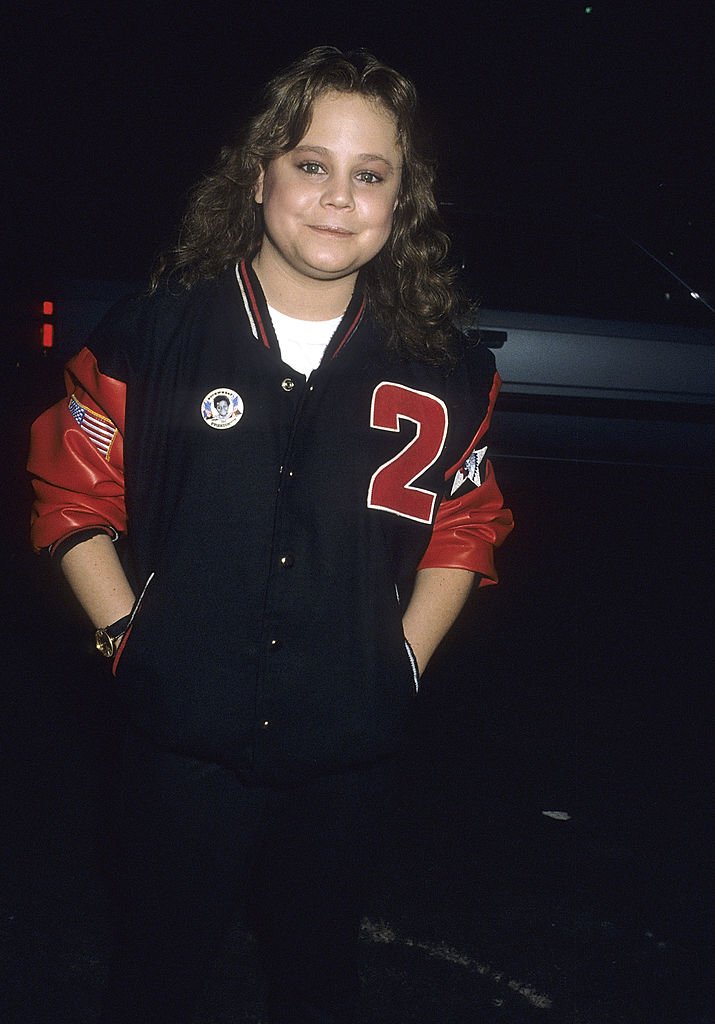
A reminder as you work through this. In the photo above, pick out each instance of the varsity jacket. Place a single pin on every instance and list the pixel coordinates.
(274, 524)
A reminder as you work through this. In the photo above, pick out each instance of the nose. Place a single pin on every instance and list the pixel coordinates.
(338, 192)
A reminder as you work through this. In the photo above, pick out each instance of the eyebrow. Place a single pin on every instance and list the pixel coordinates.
(323, 151)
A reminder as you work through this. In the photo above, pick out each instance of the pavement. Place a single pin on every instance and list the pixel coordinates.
(550, 858)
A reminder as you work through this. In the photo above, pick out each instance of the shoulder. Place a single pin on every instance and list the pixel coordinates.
(475, 359)
(137, 329)
(471, 371)
(472, 385)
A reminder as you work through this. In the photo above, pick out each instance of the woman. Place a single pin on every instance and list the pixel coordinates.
(290, 434)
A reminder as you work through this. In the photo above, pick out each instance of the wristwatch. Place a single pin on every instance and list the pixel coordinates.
(105, 640)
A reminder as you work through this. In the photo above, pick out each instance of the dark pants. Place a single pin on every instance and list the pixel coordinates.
(197, 841)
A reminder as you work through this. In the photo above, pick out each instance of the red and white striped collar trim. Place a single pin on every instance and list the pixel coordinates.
(258, 327)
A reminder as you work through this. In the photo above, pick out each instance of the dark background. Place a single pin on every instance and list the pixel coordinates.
(556, 131)
(582, 683)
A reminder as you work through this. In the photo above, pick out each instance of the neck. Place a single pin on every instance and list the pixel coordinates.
(301, 297)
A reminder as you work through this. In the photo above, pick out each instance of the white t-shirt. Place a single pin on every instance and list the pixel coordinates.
(302, 342)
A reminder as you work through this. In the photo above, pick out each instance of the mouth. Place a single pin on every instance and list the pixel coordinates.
(331, 229)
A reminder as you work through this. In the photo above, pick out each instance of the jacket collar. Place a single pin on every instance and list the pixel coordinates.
(256, 308)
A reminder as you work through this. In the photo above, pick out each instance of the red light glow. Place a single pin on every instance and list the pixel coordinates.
(48, 308)
(48, 335)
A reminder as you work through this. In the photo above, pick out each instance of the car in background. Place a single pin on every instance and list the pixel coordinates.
(603, 328)
(601, 390)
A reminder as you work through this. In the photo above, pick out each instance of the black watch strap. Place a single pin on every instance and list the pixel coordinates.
(120, 626)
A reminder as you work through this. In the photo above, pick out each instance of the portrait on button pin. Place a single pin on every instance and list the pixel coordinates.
(222, 408)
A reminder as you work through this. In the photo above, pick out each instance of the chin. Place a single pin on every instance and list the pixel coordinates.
(332, 261)
(329, 270)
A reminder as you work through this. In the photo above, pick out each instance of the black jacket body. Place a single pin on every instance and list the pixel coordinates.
(280, 551)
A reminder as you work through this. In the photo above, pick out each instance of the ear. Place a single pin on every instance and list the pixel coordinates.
(258, 190)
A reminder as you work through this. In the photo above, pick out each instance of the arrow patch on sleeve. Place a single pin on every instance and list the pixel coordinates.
(470, 470)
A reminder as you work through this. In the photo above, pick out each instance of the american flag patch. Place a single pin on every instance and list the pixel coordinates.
(100, 430)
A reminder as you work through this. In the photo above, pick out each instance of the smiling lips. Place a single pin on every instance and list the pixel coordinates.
(331, 229)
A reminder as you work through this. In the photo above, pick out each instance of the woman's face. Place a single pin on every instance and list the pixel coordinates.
(328, 203)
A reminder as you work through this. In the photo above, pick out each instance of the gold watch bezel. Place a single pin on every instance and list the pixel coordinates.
(105, 643)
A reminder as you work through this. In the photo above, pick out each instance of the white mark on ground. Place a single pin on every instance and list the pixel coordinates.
(379, 931)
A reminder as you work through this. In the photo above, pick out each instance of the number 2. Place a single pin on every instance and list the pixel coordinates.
(391, 487)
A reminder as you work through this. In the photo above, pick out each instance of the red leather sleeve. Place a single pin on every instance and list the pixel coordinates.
(77, 457)
(469, 527)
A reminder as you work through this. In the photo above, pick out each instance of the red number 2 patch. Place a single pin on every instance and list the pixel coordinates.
(391, 487)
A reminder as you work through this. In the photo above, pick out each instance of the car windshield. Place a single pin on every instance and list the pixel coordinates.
(653, 265)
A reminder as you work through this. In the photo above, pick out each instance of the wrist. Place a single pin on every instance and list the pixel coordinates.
(108, 638)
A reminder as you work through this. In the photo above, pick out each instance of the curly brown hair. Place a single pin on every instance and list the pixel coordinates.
(410, 286)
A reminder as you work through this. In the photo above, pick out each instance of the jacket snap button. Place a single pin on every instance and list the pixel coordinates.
(288, 384)
(265, 724)
(275, 644)
(287, 561)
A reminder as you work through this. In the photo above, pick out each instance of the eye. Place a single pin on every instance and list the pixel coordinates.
(311, 167)
(369, 177)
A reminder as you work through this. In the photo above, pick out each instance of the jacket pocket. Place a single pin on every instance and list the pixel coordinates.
(130, 624)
